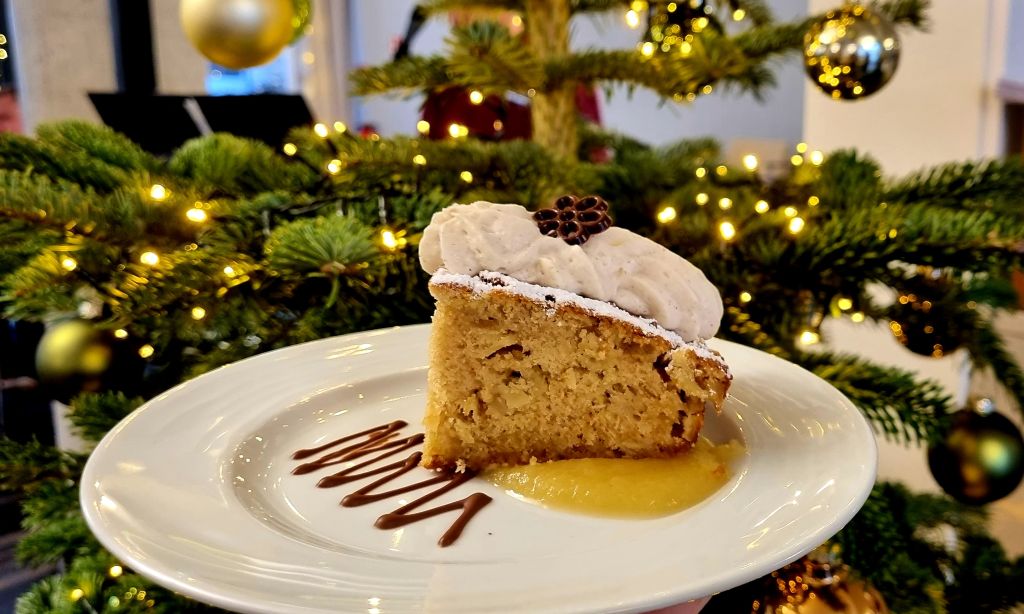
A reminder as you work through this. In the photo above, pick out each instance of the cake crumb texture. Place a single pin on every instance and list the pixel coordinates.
(514, 379)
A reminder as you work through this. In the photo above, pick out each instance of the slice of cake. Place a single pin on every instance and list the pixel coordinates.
(556, 336)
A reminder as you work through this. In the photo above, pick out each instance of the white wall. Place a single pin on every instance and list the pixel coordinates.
(376, 26)
(64, 50)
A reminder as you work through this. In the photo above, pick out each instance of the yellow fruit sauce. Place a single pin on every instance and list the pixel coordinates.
(622, 487)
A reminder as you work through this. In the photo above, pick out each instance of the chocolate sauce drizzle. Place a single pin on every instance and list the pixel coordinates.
(385, 439)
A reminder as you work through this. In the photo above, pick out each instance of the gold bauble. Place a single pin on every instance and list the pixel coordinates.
(819, 584)
(238, 33)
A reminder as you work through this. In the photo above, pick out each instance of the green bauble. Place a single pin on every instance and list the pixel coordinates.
(851, 52)
(301, 19)
(75, 356)
(981, 458)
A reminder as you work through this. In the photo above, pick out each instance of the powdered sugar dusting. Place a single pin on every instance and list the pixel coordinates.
(488, 281)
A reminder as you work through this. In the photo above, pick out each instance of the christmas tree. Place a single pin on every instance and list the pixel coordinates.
(228, 248)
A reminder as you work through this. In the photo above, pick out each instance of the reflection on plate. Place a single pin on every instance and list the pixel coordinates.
(195, 491)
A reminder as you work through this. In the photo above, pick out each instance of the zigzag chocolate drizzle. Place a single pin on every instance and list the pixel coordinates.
(384, 439)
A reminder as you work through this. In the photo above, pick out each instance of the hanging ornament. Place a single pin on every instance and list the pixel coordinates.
(981, 457)
(239, 33)
(925, 317)
(75, 356)
(302, 15)
(819, 584)
(851, 52)
(671, 24)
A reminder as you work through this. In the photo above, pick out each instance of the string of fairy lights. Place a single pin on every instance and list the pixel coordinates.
(727, 228)
(80, 595)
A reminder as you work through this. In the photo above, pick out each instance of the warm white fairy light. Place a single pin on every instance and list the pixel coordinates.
(724, 203)
(844, 303)
(647, 49)
(419, 160)
(466, 176)
(76, 594)
(115, 571)
(813, 201)
(750, 162)
(230, 271)
(738, 15)
(857, 316)
(667, 214)
(423, 126)
(796, 225)
(796, 160)
(721, 170)
(149, 258)
(476, 97)
(146, 351)
(121, 333)
(340, 127)
(457, 131)
(334, 167)
(68, 263)
(801, 147)
(701, 172)
(809, 337)
(290, 149)
(746, 297)
(321, 130)
(391, 240)
(727, 230)
(196, 215)
(762, 206)
(816, 157)
(198, 313)
(632, 19)
(158, 192)
(701, 199)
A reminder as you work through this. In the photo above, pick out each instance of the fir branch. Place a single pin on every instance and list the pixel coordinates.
(324, 246)
(907, 12)
(900, 406)
(444, 6)
(95, 414)
(484, 55)
(991, 185)
(40, 287)
(988, 350)
(408, 76)
(24, 467)
(20, 153)
(98, 142)
(22, 240)
(228, 165)
(56, 540)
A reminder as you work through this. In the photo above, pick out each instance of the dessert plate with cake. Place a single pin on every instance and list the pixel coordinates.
(566, 436)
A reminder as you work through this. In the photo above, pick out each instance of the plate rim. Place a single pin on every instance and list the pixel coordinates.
(206, 592)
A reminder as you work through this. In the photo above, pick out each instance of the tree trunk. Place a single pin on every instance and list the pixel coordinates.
(553, 112)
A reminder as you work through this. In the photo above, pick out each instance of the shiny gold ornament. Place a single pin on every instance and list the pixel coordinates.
(819, 584)
(981, 457)
(76, 356)
(238, 33)
(851, 53)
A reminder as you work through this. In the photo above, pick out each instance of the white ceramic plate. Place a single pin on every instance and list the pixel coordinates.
(194, 491)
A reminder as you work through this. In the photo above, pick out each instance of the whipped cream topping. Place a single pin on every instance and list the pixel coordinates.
(617, 266)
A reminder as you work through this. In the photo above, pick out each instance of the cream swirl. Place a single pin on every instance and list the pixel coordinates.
(616, 265)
